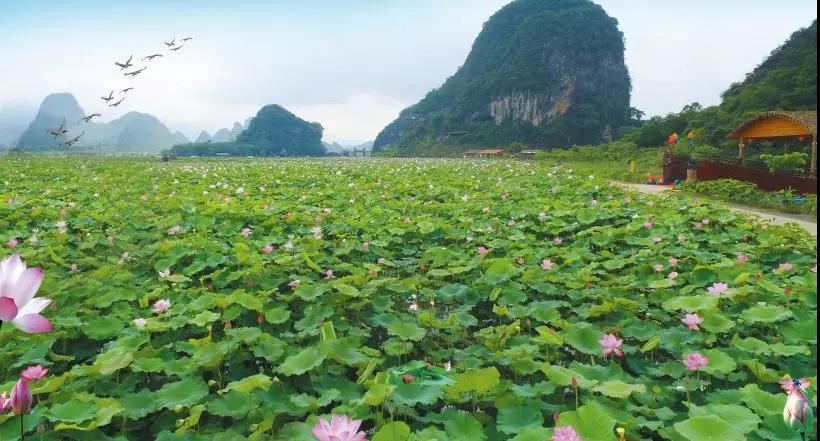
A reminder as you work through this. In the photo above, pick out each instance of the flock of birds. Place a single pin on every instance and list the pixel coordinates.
(173, 45)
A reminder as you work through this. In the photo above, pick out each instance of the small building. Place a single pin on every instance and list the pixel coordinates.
(782, 127)
(528, 154)
(484, 153)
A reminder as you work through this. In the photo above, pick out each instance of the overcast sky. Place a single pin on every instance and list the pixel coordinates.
(351, 65)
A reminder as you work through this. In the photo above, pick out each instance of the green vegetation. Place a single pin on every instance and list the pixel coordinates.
(547, 73)
(611, 161)
(300, 288)
(747, 193)
(786, 80)
(274, 131)
(794, 162)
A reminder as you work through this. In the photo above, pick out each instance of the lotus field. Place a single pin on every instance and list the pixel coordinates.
(391, 300)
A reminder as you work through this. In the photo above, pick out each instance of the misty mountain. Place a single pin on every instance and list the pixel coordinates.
(54, 109)
(204, 136)
(14, 119)
(131, 133)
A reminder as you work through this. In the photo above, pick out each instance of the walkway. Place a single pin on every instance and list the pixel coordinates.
(808, 223)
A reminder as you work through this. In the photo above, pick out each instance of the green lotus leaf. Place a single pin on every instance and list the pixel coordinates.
(740, 418)
(708, 428)
(513, 419)
(406, 330)
(766, 314)
(303, 361)
(186, 392)
(248, 384)
(464, 427)
(619, 389)
(590, 421)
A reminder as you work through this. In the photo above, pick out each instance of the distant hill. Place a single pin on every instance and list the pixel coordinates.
(133, 132)
(546, 72)
(54, 109)
(274, 131)
(785, 80)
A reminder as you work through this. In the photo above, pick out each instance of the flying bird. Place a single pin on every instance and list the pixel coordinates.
(109, 97)
(125, 65)
(151, 57)
(127, 89)
(178, 47)
(136, 72)
(59, 130)
(116, 103)
(88, 118)
(171, 43)
(187, 38)
(73, 140)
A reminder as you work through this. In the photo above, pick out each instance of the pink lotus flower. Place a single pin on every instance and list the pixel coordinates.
(413, 307)
(328, 274)
(21, 397)
(789, 385)
(246, 232)
(611, 344)
(482, 251)
(267, 249)
(695, 361)
(647, 225)
(692, 320)
(657, 239)
(174, 230)
(12, 243)
(673, 261)
(547, 264)
(718, 289)
(140, 323)
(565, 433)
(558, 241)
(698, 226)
(366, 245)
(34, 372)
(673, 275)
(658, 267)
(340, 428)
(5, 404)
(161, 306)
(742, 258)
(681, 238)
(18, 285)
(294, 283)
(786, 267)
(511, 223)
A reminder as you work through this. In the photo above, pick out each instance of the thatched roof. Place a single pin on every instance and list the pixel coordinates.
(805, 118)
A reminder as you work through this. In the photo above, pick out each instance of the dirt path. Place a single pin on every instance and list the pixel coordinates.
(808, 223)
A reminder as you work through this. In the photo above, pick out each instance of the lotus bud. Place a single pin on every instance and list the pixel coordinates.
(621, 434)
(574, 383)
(21, 398)
(797, 414)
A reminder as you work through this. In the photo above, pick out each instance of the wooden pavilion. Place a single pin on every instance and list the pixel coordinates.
(484, 153)
(782, 127)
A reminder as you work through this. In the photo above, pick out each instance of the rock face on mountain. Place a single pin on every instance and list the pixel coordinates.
(53, 110)
(546, 72)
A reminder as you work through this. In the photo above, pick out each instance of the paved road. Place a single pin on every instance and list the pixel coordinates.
(808, 223)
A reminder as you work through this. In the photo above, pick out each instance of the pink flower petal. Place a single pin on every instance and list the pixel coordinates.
(27, 285)
(8, 310)
(34, 306)
(32, 323)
